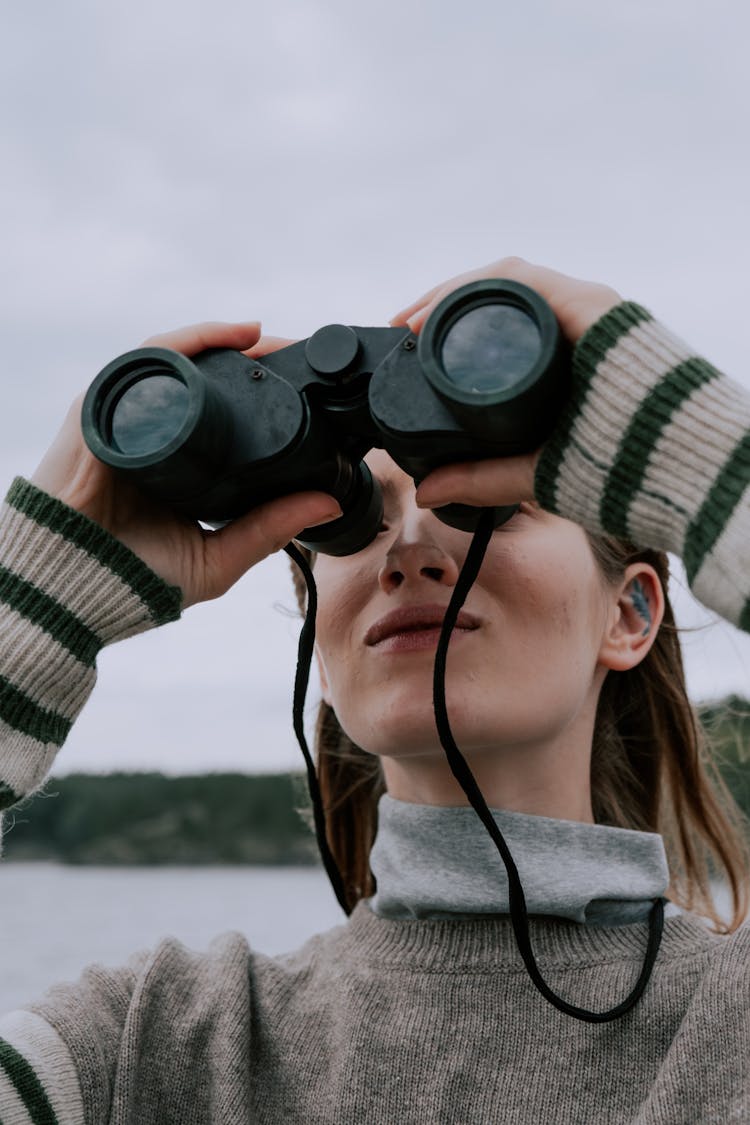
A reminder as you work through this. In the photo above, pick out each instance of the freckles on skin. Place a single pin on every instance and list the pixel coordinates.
(524, 676)
(548, 592)
(555, 606)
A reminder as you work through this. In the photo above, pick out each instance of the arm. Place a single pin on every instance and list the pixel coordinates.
(38, 1078)
(654, 445)
(656, 448)
(67, 588)
(86, 561)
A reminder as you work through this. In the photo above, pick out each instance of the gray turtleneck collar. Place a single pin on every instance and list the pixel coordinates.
(434, 862)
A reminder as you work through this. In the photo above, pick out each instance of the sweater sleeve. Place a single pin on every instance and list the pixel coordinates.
(167, 1037)
(655, 447)
(59, 1057)
(39, 1082)
(67, 589)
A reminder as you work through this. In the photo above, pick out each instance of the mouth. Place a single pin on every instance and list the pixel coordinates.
(415, 627)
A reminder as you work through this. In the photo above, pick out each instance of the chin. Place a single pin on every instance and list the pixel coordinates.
(404, 739)
(410, 731)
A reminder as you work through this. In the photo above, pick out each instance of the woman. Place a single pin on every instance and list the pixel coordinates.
(566, 698)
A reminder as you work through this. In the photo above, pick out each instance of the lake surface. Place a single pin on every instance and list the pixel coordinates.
(55, 919)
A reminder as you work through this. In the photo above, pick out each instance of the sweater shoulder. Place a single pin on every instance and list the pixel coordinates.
(158, 1014)
(224, 1034)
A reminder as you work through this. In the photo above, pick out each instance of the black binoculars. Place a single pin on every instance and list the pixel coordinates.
(218, 434)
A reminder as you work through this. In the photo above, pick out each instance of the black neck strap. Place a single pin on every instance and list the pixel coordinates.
(301, 680)
(464, 776)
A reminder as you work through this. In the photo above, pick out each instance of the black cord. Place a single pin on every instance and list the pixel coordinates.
(301, 680)
(461, 771)
(464, 776)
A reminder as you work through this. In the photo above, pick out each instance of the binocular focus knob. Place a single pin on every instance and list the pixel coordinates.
(332, 351)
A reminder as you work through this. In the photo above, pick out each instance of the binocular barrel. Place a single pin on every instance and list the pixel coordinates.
(215, 435)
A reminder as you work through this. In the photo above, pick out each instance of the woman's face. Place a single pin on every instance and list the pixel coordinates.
(523, 666)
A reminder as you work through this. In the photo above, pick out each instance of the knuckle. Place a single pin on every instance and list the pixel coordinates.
(513, 264)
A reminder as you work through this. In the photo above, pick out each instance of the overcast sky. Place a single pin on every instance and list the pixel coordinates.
(311, 162)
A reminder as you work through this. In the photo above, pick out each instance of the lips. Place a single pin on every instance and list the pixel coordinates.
(415, 619)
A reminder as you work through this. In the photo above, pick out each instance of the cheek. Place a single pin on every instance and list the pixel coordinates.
(340, 586)
(551, 596)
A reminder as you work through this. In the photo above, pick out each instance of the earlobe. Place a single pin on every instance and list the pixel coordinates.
(636, 617)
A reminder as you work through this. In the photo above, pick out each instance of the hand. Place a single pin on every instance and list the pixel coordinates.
(506, 480)
(204, 564)
(576, 304)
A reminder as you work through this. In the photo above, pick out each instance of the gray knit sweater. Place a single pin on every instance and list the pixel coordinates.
(419, 1008)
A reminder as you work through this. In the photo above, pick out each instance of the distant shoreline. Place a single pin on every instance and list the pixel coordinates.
(232, 819)
(147, 819)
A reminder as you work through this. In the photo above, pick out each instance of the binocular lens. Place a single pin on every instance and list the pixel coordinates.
(490, 348)
(149, 414)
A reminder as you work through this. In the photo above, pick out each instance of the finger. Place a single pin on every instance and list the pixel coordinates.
(211, 334)
(401, 317)
(513, 268)
(417, 319)
(484, 484)
(577, 304)
(421, 308)
(268, 344)
(231, 552)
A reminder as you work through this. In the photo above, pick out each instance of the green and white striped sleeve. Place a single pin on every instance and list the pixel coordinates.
(655, 448)
(39, 1083)
(67, 588)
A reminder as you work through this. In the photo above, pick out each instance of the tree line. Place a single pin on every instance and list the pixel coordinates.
(147, 818)
(232, 818)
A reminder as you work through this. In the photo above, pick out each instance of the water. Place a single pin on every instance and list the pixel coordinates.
(55, 920)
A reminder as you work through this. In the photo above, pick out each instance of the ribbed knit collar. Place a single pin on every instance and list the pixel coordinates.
(432, 862)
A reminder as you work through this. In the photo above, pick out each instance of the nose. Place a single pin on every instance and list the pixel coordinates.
(417, 554)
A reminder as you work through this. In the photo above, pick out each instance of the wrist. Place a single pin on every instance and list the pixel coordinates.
(67, 588)
(646, 429)
(46, 541)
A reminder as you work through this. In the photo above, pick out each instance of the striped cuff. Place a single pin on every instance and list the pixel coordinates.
(655, 447)
(38, 1081)
(67, 588)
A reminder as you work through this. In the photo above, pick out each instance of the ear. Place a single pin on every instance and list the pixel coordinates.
(637, 609)
(324, 689)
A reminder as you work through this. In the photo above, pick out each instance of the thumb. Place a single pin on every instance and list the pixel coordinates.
(484, 484)
(232, 551)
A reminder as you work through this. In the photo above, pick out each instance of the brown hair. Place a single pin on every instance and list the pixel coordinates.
(651, 770)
